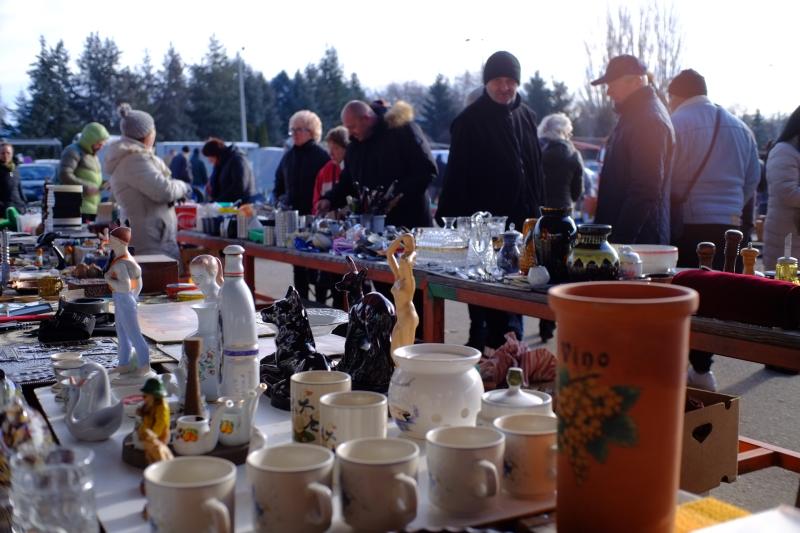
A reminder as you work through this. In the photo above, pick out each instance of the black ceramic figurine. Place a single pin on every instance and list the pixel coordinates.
(367, 347)
(295, 348)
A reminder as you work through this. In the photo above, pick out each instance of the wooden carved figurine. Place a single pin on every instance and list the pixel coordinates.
(192, 346)
(705, 254)
(124, 277)
(155, 414)
(295, 347)
(404, 331)
(367, 356)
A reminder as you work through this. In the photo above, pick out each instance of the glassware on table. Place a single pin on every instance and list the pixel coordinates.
(464, 226)
(497, 226)
(449, 222)
(440, 247)
(54, 490)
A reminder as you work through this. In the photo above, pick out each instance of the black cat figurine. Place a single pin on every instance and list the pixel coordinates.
(367, 348)
(295, 348)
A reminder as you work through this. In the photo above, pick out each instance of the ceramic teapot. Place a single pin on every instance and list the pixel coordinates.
(197, 435)
(237, 420)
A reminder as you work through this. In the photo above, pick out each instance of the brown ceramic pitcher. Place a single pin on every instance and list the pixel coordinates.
(622, 358)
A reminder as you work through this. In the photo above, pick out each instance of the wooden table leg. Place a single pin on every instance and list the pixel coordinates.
(432, 318)
(249, 263)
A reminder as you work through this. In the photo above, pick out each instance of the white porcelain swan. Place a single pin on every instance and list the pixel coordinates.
(93, 413)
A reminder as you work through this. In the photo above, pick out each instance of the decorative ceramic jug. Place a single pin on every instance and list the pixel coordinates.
(554, 236)
(592, 258)
(237, 421)
(508, 256)
(435, 385)
(211, 352)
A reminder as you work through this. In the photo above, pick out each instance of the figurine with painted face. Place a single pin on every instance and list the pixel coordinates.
(154, 413)
(206, 273)
(124, 277)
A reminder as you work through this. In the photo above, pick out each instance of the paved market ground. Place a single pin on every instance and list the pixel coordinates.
(769, 407)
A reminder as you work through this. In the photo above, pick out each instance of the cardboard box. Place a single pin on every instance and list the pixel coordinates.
(710, 442)
(158, 271)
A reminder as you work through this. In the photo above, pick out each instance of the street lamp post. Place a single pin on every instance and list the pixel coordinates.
(242, 109)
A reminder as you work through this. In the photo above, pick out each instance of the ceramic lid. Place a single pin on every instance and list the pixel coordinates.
(513, 396)
(512, 234)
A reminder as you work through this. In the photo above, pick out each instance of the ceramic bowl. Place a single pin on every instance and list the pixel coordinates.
(173, 289)
(656, 258)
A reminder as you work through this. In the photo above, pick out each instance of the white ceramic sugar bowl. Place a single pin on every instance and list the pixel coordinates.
(513, 400)
(434, 385)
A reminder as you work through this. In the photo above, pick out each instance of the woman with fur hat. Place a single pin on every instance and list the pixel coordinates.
(142, 185)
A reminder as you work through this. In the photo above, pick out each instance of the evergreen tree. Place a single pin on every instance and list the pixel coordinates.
(214, 93)
(282, 88)
(49, 110)
(262, 119)
(171, 104)
(331, 91)
(538, 96)
(439, 110)
(761, 130)
(355, 91)
(98, 80)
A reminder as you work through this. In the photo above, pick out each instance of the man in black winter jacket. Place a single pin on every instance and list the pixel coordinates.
(386, 146)
(494, 165)
(635, 180)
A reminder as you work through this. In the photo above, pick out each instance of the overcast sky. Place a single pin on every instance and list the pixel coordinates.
(747, 50)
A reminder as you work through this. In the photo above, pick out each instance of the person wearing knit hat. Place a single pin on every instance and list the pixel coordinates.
(143, 186)
(80, 166)
(707, 199)
(494, 165)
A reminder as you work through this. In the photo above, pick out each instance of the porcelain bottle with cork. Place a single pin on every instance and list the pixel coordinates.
(240, 372)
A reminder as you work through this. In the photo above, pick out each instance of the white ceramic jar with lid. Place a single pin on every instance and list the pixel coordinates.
(513, 400)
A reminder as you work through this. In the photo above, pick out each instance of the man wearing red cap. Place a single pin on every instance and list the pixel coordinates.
(124, 277)
(635, 181)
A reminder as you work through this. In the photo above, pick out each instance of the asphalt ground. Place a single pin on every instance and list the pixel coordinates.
(769, 408)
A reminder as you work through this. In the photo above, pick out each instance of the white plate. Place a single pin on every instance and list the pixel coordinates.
(323, 320)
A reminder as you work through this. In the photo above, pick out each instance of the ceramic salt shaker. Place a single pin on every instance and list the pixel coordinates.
(513, 400)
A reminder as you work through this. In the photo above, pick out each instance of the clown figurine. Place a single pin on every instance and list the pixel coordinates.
(124, 276)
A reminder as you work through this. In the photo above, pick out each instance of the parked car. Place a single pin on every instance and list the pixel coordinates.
(33, 176)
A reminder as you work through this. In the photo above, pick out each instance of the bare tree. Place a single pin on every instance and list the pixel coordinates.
(411, 91)
(653, 34)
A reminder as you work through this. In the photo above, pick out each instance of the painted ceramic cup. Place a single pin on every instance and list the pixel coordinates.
(190, 494)
(291, 487)
(378, 480)
(529, 462)
(621, 380)
(351, 415)
(305, 390)
(464, 467)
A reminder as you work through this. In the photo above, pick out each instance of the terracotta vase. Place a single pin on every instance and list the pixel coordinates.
(622, 357)
(527, 258)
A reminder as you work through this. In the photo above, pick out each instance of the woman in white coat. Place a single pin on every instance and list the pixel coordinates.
(143, 186)
(783, 181)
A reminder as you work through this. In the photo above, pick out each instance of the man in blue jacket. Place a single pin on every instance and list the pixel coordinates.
(635, 181)
(716, 199)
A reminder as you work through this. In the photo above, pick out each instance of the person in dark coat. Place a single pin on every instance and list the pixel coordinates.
(495, 160)
(386, 146)
(296, 175)
(635, 181)
(199, 172)
(494, 165)
(562, 163)
(232, 178)
(180, 167)
(11, 194)
(297, 171)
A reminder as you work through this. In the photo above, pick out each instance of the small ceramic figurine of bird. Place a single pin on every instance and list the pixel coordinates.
(93, 413)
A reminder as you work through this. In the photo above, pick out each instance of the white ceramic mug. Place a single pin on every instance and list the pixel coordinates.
(529, 462)
(291, 488)
(464, 466)
(190, 494)
(349, 415)
(378, 480)
(306, 388)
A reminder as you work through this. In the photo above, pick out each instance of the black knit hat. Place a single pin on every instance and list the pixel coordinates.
(688, 83)
(501, 65)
